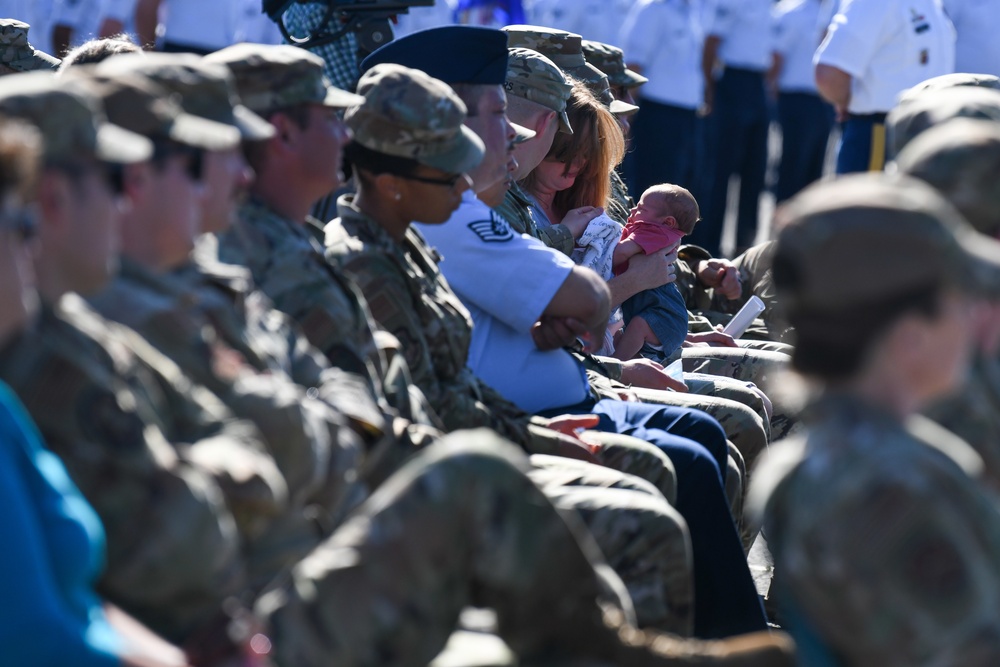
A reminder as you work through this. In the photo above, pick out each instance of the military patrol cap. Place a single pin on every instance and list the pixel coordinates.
(866, 238)
(453, 54)
(909, 119)
(563, 48)
(956, 80)
(270, 77)
(70, 120)
(203, 89)
(611, 60)
(409, 114)
(961, 159)
(141, 106)
(17, 53)
(532, 76)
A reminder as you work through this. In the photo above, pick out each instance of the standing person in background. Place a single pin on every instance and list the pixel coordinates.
(874, 50)
(189, 26)
(976, 25)
(735, 56)
(805, 119)
(598, 20)
(662, 41)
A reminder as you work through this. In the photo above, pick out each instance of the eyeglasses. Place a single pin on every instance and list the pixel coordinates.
(449, 181)
(21, 221)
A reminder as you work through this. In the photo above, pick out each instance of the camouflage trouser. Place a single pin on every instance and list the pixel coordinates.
(643, 538)
(461, 525)
(746, 364)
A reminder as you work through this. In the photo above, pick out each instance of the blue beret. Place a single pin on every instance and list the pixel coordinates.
(453, 54)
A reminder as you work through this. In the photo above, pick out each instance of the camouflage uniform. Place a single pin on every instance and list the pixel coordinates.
(16, 52)
(896, 561)
(157, 457)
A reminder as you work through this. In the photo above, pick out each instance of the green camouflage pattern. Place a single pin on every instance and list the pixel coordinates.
(619, 203)
(933, 107)
(70, 119)
(203, 89)
(181, 487)
(271, 77)
(142, 106)
(565, 49)
(973, 415)
(533, 77)
(410, 298)
(516, 210)
(887, 546)
(475, 532)
(706, 308)
(611, 60)
(315, 450)
(286, 263)
(16, 52)
(961, 159)
(407, 113)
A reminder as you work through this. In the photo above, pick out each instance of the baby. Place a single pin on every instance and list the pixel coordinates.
(665, 214)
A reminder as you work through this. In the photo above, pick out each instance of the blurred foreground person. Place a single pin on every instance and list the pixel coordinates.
(897, 561)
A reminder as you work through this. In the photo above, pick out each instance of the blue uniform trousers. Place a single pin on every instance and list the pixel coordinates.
(806, 121)
(862, 144)
(665, 141)
(736, 145)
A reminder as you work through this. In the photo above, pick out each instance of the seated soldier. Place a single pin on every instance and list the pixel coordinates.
(897, 560)
(184, 499)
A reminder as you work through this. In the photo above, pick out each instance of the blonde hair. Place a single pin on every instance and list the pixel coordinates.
(597, 139)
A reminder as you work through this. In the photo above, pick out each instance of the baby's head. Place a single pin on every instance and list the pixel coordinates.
(669, 205)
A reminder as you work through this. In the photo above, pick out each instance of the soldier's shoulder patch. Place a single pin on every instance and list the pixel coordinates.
(492, 230)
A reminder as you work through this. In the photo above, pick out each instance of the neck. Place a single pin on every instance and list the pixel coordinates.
(546, 199)
(284, 196)
(884, 389)
(383, 212)
(51, 280)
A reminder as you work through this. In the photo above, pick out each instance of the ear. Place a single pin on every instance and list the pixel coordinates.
(286, 132)
(387, 186)
(543, 121)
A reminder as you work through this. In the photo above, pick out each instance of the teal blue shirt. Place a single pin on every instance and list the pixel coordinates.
(53, 552)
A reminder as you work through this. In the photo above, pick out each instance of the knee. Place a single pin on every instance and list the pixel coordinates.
(706, 430)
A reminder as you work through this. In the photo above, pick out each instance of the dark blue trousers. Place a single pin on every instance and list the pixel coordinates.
(665, 145)
(725, 598)
(736, 145)
(862, 144)
(806, 121)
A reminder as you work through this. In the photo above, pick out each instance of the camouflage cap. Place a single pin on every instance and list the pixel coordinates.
(563, 48)
(956, 80)
(865, 238)
(204, 89)
(141, 106)
(70, 120)
(611, 60)
(270, 77)
(409, 114)
(532, 76)
(929, 108)
(961, 158)
(17, 53)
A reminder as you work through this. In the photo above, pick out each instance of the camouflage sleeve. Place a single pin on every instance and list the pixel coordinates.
(558, 237)
(903, 575)
(173, 551)
(460, 401)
